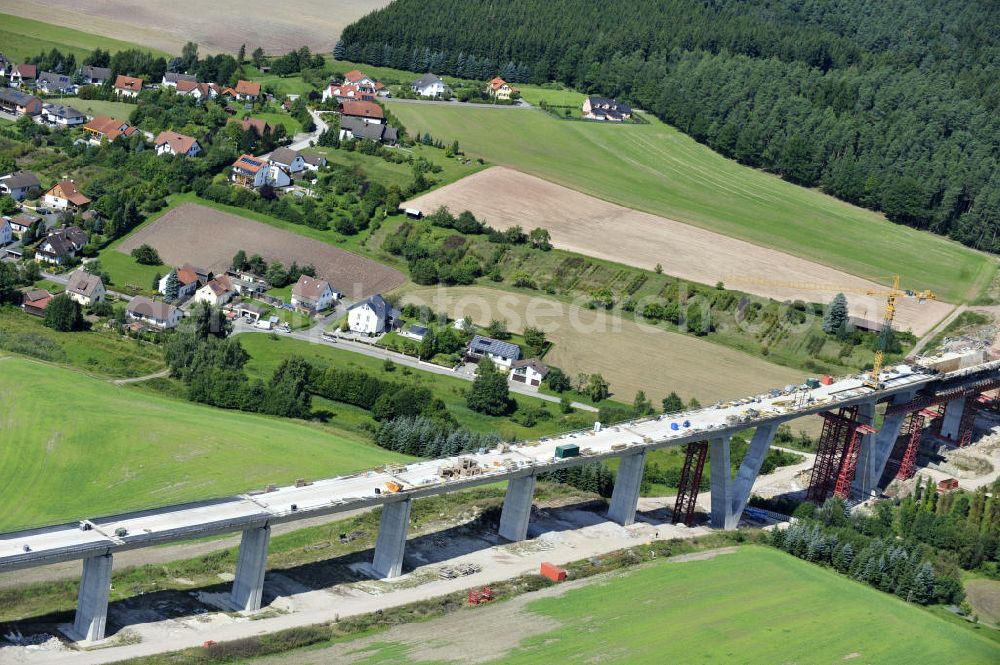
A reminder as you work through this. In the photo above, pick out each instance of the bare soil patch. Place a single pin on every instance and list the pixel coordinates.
(587, 225)
(632, 356)
(984, 596)
(215, 27)
(209, 238)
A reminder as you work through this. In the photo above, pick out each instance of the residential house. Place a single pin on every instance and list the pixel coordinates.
(288, 159)
(371, 316)
(22, 75)
(94, 75)
(359, 79)
(19, 185)
(62, 116)
(85, 288)
(345, 92)
(21, 223)
(217, 291)
(500, 89)
(313, 160)
(64, 195)
(260, 127)
(366, 111)
(189, 279)
(6, 232)
(5, 65)
(172, 143)
(55, 84)
(530, 372)
(357, 128)
(19, 103)
(35, 301)
(503, 354)
(248, 90)
(415, 332)
(171, 79)
(128, 86)
(198, 90)
(255, 172)
(105, 127)
(313, 294)
(153, 313)
(602, 108)
(429, 85)
(61, 245)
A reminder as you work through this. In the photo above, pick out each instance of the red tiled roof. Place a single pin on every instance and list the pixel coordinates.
(26, 71)
(354, 76)
(109, 127)
(186, 275)
(258, 125)
(248, 88)
(66, 189)
(497, 83)
(179, 143)
(362, 109)
(249, 163)
(130, 83)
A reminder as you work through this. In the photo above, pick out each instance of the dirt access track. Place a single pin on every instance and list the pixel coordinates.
(209, 238)
(278, 27)
(503, 197)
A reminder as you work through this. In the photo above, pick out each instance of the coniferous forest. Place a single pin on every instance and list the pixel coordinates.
(893, 105)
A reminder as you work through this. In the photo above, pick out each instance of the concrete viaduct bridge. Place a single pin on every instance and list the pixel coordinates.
(856, 452)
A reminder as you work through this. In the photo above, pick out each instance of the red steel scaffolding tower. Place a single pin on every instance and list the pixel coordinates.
(834, 440)
(914, 432)
(687, 491)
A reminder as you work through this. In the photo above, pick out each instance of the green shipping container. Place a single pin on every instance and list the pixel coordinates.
(812, 383)
(567, 450)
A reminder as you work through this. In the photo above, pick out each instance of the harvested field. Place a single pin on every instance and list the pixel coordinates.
(632, 356)
(277, 27)
(584, 224)
(209, 238)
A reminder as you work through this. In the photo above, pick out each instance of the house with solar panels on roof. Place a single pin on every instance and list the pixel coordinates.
(503, 354)
(255, 172)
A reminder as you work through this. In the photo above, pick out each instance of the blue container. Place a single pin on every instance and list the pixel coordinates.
(687, 423)
(674, 426)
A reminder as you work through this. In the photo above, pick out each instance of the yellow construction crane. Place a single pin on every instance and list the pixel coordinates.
(891, 295)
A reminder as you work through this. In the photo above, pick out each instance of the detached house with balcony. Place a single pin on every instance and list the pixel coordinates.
(128, 86)
(255, 172)
(172, 143)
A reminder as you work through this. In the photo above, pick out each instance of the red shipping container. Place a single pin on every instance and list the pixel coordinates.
(826, 380)
(553, 572)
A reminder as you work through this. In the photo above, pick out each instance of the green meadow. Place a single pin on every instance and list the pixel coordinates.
(657, 169)
(22, 37)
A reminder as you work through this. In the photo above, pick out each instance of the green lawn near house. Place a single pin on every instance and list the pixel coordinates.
(553, 94)
(21, 38)
(657, 169)
(83, 447)
(267, 351)
(274, 118)
(93, 107)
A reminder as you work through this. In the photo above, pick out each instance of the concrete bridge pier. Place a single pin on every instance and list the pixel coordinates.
(876, 448)
(391, 542)
(625, 497)
(92, 602)
(735, 492)
(248, 586)
(516, 511)
(952, 421)
(722, 482)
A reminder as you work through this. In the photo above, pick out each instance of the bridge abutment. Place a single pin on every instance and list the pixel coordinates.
(391, 543)
(92, 602)
(248, 587)
(516, 513)
(625, 497)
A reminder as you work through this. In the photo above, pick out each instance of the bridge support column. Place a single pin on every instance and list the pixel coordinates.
(516, 511)
(747, 474)
(722, 482)
(625, 497)
(876, 448)
(92, 602)
(248, 586)
(391, 542)
(951, 424)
